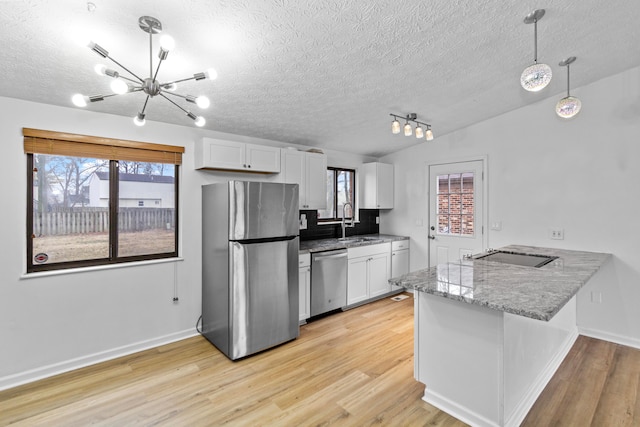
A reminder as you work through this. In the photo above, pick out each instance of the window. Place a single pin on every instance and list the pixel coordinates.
(456, 211)
(87, 200)
(340, 190)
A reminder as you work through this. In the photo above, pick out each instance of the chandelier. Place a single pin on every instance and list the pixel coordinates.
(421, 132)
(150, 85)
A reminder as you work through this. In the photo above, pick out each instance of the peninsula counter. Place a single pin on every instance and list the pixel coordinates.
(489, 335)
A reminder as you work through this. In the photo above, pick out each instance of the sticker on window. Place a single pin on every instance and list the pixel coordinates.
(41, 258)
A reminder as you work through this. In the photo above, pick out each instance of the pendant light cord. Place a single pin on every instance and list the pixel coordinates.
(568, 74)
(535, 41)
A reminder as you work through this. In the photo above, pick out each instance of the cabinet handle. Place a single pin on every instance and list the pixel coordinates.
(244, 166)
(249, 166)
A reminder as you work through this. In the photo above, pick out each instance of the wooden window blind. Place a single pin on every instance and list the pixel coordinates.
(69, 144)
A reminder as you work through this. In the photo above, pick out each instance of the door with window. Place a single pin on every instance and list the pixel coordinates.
(456, 205)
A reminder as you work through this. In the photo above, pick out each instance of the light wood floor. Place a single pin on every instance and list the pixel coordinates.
(352, 368)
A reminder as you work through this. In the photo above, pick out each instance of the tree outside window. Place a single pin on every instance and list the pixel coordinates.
(340, 190)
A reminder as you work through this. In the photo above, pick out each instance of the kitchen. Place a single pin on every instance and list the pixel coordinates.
(576, 175)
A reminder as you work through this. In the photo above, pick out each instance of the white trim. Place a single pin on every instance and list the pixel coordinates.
(452, 408)
(15, 380)
(98, 268)
(608, 336)
(524, 406)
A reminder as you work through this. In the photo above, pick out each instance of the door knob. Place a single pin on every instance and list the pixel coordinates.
(431, 237)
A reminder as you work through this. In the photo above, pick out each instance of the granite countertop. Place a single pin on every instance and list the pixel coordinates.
(350, 242)
(537, 293)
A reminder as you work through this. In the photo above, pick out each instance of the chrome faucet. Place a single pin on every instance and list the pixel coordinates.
(344, 224)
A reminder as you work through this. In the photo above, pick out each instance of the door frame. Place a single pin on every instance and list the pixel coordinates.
(485, 196)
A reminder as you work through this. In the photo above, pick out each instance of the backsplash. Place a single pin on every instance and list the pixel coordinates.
(367, 225)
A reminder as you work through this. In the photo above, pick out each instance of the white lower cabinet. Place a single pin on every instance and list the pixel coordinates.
(399, 258)
(368, 272)
(304, 283)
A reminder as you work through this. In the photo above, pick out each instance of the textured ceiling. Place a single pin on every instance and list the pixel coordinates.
(323, 73)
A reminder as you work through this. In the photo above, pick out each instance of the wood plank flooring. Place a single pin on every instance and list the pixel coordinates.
(350, 369)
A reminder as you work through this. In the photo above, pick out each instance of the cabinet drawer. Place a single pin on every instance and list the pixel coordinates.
(400, 244)
(368, 250)
(304, 260)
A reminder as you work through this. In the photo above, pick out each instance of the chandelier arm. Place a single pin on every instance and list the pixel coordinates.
(129, 79)
(144, 106)
(125, 68)
(174, 103)
(178, 81)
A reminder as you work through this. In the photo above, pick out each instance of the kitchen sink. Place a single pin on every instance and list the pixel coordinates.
(516, 258)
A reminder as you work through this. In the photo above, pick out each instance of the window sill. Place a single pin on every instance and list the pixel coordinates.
(334, 222)
(26, 276)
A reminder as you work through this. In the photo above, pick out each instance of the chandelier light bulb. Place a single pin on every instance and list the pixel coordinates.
(119, 86)
(395, 127)
(429, 135)
(139, 120)
(79, 100)
(203, 102)
(419, 132)
(407, 129)
(100, 69)
(167, 43)
(211, 74)
(200, 121)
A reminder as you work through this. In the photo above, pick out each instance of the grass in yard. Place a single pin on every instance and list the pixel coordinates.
(77, 247)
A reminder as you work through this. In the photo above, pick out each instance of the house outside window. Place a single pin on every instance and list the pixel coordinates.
(341, 189)
(90, 210)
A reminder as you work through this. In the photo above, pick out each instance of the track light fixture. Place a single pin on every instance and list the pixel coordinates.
(537, 76)
(420, 131)
(150, 86)
(568, 106)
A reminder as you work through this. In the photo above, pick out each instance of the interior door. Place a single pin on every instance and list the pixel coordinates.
(456, 211)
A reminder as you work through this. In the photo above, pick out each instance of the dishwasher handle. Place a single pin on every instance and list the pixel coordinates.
(322, 257)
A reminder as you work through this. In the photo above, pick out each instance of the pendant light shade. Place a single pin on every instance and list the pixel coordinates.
(395, 126)
(568, 106)
(408, 130)
(536, 76)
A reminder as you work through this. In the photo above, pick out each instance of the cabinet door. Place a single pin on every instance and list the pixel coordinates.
(304, 281)
(357, 280)
(316, 180)
(292, 172)
(261, 158)
(399, 262)
(384, 183)
(219, 154)
(368, 186)
(379, 275)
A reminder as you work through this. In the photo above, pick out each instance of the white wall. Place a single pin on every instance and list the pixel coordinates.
(580, 175)
(51, 323)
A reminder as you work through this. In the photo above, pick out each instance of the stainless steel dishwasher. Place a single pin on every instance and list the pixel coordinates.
(328, 281)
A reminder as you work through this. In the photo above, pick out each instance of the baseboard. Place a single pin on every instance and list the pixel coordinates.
(25, 377)
(522, 409)
(607, 336)
(455, 410)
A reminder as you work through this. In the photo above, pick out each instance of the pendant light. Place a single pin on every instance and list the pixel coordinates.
(536, 76)
(568, 106)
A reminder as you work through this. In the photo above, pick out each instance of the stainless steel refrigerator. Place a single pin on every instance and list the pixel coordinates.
(250, 249)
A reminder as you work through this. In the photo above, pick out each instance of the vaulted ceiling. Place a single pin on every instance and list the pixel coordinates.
(323, 73)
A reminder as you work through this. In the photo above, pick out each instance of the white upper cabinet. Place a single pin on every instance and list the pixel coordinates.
(376, 186)
(230, 155)
(309, 171)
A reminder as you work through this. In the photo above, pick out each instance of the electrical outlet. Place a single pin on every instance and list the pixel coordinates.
(497, 226)
(377, 220)
(556, 234)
